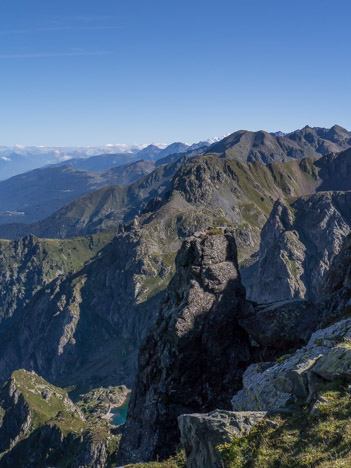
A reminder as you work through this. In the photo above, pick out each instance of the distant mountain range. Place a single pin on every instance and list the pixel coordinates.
(241, 145)
(107, 161)
(34, 195)
(18, 159)
(266, 147)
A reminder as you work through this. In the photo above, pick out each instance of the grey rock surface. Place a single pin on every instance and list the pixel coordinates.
(336, 290)
(201, 434)
(282, 384)
(298, 244)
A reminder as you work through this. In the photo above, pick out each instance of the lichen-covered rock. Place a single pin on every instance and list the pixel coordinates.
(281, 385)
(201, 434)
(196, 352)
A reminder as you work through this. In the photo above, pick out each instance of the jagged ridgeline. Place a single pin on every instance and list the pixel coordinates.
(76, 309)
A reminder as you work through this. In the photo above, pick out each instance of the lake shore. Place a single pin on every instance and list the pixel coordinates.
(109, 416)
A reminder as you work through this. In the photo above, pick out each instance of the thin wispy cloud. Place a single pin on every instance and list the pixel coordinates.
(6, 32)
(52, 54)
(87, 18)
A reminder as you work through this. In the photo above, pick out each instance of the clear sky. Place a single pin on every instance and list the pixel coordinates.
(84, 72)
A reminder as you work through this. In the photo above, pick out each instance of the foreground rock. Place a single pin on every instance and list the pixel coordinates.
(195, 354)
(279, 385)
(201, 434)
(204, 338)
(305, 392)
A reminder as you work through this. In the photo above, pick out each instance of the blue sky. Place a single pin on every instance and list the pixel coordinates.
(85, 72)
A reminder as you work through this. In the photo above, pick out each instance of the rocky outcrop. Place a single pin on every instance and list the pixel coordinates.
(195, 353)
(281, 385)
(326, 357)
(205, 336)
(202, 434)
(292, 385)
(298, 244)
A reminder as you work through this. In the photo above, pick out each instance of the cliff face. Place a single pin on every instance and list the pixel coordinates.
(29, 264)
(298, 244)
(196, 351)
(326, 357)
(84, 329)
(336, 289)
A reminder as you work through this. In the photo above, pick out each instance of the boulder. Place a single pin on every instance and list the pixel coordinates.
(201, 434)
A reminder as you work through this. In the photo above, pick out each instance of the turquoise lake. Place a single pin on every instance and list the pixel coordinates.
(120, 414)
